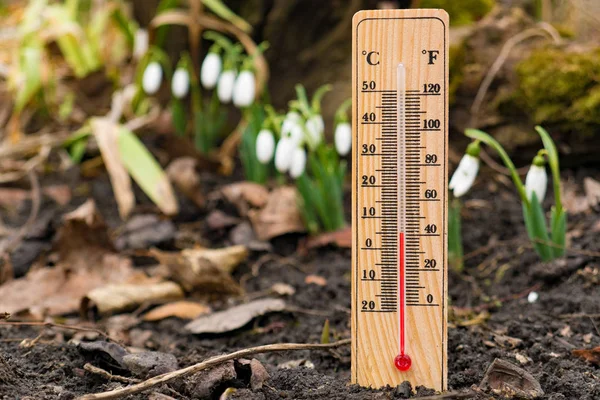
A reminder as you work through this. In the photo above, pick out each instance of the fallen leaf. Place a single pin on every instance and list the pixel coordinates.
(590, 355)
(198, 274)
(245, 195)
(111, 353)
(279, 216)
(106, 133)
(217, 220)
(587, 338)
(235, 317)
(13, 197)
(182, 172)
(226, 258)
(179, 309)
(118, 297)
(148, 364)
(315, 279)
(341, 238)
(507, 380)
(144, 231)
(202, 384)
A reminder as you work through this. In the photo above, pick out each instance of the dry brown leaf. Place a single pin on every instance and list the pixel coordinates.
(246, 195)
(226, 258)
(341, 238)
(217, 219)
(179, 309)
(316, 279)
(106, 133)
(182, 172)
(235, 317)
(13, 197)
(198, 274)
(85, 261)
(118, 297)
(506, 379)
(279, 216)
(590, 355)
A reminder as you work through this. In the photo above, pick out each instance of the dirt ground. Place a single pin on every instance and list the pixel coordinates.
(491, 317)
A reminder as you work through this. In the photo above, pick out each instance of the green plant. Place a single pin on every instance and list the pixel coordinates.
(547, 240)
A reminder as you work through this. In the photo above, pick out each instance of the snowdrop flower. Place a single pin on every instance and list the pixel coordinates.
(283, 154)
(467, 169)
(536, 180)
(265, 146)
(180, 85)
(152, 78)
(210, 70)
(140, 43)
(292, 127)
(225, 87)
(533, 297)
(298, 162)
(343, 138)
(244, 90)
(315, 128)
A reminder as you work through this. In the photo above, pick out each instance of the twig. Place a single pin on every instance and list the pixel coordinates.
(60, 326)
(579, 315)
(542, 29)
(105, 374)
(211, 362)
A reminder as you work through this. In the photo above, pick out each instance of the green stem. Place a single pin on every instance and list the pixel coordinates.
(490, 141)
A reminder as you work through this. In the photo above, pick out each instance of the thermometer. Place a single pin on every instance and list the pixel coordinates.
(399, 205)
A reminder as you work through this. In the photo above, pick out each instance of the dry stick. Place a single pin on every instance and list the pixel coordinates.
(105, 374)
(541, 29)
(60, 326)
(211, 362)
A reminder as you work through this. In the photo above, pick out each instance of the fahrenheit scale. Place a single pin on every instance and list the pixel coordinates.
(400, 120)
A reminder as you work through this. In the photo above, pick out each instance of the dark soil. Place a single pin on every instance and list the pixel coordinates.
(500, 271)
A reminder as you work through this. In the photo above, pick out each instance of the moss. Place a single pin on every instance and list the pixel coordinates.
(457, 63)
(461, 12)
(561, 88)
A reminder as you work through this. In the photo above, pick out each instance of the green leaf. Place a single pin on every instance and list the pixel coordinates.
(455, 246)
(554, 165)
(558, 224)
(221, 10)
(490, 141)
(77, 150)
(146, 171)
(537, 229)
(30, 62)
(179, 116)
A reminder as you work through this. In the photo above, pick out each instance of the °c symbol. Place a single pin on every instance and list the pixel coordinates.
(371, 57)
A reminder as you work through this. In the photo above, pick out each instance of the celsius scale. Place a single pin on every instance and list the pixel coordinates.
(399, 204)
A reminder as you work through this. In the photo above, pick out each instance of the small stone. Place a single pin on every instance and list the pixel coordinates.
(150, 363)
(533, 297)
(404, 389)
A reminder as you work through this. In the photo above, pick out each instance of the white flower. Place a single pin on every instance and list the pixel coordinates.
(536, 181)
(140, 43)
(343, 138)
(180, 85)
(291, 120)
(464, 176)
(244, 90)
(210, 70)
(283, 154)
(298, 162)
(225, 88)
(533, 297)
(152, 78)
(265, 146)
(315, 127)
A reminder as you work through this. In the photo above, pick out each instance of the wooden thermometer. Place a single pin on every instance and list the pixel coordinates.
(400, 141)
